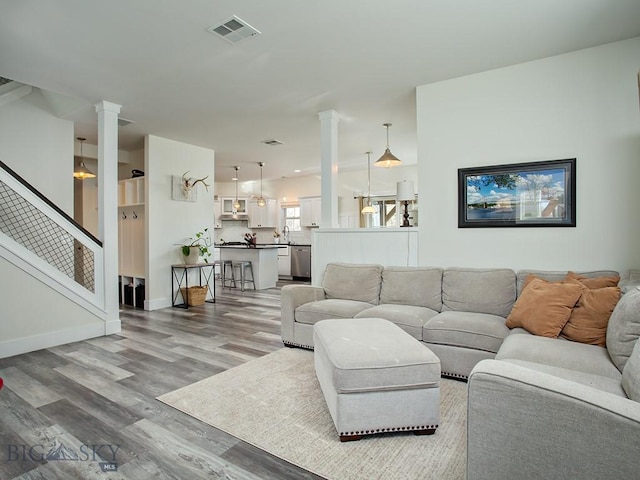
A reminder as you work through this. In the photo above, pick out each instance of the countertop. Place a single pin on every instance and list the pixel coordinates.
(245, 247)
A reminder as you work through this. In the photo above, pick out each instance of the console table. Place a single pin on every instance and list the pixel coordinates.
(180, 278)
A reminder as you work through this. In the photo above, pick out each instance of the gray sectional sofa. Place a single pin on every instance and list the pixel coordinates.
(459, 313)
(538, 407)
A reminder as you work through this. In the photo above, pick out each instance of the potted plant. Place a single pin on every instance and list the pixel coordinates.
(276, 236)
(197, 247)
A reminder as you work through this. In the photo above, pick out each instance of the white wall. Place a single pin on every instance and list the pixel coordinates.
(39, 147)
(171, 222)
(35, 316)
(582, 104)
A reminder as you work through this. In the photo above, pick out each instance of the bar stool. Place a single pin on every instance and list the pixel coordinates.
(227, 266)
(242, 266)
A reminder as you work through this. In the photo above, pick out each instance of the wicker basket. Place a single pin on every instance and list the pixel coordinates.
(194, 295)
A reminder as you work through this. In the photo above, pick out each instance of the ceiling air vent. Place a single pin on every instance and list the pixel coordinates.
(233, 30)
(273, 142)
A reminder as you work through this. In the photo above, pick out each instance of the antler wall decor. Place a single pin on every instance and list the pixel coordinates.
(184, 188)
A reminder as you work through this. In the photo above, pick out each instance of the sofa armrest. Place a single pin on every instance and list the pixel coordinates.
(524, 424)
(292, 296)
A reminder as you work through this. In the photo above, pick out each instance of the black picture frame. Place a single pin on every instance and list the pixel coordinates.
(533, 194)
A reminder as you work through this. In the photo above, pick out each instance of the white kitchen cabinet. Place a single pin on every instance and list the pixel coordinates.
(284, 261)
(263, 217)
(310, 211)
(227, 205)
(217, 212)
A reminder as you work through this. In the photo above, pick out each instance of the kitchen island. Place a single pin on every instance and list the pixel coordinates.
(263, 258)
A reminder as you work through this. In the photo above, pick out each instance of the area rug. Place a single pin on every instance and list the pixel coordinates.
(275, 403)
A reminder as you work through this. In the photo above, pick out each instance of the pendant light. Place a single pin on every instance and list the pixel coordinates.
(368, 209)
(236, 203)
(261, 200)
(81, 171)
(387, 159)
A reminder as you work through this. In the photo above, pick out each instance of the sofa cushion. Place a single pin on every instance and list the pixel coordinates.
(543, 308)
(594, 282)
(419, 286)
(408, 317)
(624, 328)
(478, 331)
(359, 282)
(491, 291)
(590, 317)
(631, 374)
(560, 353)
(313, 312)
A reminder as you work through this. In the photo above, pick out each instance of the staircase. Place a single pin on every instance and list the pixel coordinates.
(53, 288)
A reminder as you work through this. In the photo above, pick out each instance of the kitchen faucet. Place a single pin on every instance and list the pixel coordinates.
(285, 233)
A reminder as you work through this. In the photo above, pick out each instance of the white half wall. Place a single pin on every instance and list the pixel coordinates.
(582, 104)
(169, 222)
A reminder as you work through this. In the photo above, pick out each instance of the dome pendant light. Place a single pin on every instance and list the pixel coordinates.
(236, 203)
(81, 171)
(387, 159)
(368, 209)
(261, 200)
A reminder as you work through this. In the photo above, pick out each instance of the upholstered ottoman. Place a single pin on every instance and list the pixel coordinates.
(376, 378)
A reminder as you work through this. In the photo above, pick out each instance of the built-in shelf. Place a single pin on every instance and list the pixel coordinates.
(131, 192)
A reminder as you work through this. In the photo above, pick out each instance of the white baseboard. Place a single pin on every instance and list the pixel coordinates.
(17, 346)
(112, 326)
(157, 304)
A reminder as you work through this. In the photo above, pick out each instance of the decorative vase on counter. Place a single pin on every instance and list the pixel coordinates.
(276, 240)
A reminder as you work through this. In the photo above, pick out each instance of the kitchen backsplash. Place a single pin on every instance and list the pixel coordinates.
(234, 230)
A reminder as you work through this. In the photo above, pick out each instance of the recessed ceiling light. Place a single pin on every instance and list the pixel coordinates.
(297, 171)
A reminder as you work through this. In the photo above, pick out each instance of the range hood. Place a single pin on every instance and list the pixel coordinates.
(234, 216)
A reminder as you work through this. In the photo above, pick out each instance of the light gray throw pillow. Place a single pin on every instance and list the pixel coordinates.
(624, 328)
(631, 374)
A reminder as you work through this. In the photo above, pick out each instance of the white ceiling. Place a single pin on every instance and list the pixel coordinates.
(362, 58)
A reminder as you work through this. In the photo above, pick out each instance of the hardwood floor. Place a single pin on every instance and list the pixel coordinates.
(91, 405)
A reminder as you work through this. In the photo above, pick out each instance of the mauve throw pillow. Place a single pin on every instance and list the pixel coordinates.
(590, 317)
(543, 308)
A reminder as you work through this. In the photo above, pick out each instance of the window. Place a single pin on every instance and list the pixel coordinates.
(292, 218)
(387, 213)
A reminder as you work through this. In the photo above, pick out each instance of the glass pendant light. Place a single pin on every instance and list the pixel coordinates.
(81, 171)
(368, 209)
(261, 201)
(387, 159)
(236, 203)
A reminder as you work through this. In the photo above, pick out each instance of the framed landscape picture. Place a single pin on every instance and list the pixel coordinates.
(535, 194)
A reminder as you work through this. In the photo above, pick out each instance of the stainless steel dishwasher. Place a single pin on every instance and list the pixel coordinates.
(301, 261)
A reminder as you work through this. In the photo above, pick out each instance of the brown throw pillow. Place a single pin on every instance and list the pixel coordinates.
(590, 317)
(543, 308)
(595, 282)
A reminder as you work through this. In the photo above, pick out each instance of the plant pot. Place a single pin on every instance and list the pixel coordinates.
(193, 257)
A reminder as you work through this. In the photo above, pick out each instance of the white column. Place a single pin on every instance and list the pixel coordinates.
(329, 168)
(108, 207)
